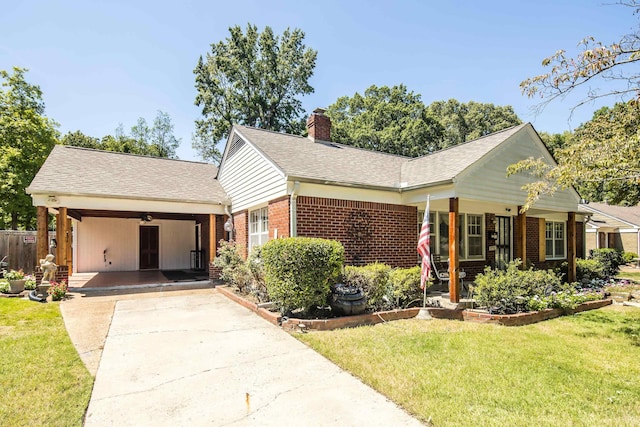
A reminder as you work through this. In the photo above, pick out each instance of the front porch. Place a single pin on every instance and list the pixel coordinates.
(128, 279)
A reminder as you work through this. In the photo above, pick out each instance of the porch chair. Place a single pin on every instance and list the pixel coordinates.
(443, 276)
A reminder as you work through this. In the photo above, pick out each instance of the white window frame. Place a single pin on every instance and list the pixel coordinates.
(434, 219)
(555, 226)
(258, 226)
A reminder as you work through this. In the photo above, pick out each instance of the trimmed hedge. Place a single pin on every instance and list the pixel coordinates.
(611, 260)
(299, 271)
(373, 279)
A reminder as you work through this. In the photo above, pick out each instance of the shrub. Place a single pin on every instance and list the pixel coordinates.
(405, 286)
(4, 286)
(255, 266)
(14, 274)
(234, 270)
(373, 279)
(587, 270)
(299, 271)
(628, 257)
(611, 260)
(509, 291)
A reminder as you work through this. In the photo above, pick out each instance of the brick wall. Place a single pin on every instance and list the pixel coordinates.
(279, 217)
(241, 225)
(369, 231)
(62, 273)
(533, 241)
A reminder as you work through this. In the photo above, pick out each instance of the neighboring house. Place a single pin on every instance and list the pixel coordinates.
(276, 185)
(615, 227)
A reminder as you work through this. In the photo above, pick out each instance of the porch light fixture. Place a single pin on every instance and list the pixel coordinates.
(146, 218)
(228, 226)
(52, 200)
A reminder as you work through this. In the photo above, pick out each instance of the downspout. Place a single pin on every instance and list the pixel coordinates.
(293, 222)
(228, 225)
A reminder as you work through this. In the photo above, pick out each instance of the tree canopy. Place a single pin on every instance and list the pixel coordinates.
(251, 78)
(395, 120)
(602, 159)
(614, 62)
(26, 139)
(157, 140)
(392, 120)
(466, 122)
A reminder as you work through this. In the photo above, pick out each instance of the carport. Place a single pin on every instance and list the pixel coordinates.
(117, 212)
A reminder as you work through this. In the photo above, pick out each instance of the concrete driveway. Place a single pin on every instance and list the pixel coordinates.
(202, 360)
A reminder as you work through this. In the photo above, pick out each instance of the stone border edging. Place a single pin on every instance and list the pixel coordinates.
(469, 315)
(293, 324)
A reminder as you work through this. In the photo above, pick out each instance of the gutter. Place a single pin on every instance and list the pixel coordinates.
(293, 211)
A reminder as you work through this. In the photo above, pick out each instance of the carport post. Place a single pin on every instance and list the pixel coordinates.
(61, 236)
(571, 247)
(212, 238)
(42, 236)
(454, 251)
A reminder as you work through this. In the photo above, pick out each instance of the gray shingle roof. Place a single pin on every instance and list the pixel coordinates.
(81, 171)
(299, 157)
(629, 214)
(446, 164)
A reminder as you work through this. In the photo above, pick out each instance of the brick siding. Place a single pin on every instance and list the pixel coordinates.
(369, 231)
(241, 225)
(279, 217)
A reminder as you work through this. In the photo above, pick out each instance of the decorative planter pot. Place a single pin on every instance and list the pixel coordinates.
(16, 286)
(347, 300)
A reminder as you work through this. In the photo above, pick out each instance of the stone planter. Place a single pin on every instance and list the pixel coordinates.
(16, 286)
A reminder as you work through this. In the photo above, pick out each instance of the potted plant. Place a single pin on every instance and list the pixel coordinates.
(16, 280)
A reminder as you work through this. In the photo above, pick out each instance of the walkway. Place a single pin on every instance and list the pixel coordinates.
(203, 360)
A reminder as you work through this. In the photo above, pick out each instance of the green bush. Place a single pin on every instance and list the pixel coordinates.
(405, 286)
(234, 270)
(299, 271)
(373, 279)
(628, 257)
(611, 260)
(509, 291)
(587, 270)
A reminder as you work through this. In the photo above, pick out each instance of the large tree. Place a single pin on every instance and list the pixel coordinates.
(602, 159)
(465, 122)
(253, 79)
(596, 61)
(392, 120)
(26, 138)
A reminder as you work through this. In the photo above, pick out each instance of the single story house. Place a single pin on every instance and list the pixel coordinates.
(609, 226)
(132, 212)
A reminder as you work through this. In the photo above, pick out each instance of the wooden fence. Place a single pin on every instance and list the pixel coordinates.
(20, 249)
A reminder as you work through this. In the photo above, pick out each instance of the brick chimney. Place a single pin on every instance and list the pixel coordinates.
(319, 126)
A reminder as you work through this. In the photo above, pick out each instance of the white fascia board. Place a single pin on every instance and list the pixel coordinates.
(615, 218)
(122, 204)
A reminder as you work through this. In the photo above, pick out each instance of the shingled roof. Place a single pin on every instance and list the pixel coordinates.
(609, 214)
(299, 157)
(86, 172)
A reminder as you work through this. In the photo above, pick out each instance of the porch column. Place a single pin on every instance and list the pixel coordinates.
(212, 237)
(69, 244)
(521, 236)
(454, 251)
(571, 247)
(42, 235)
(61, 237)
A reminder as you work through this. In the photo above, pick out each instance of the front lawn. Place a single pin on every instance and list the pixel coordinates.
(44, 382)
(573, 370)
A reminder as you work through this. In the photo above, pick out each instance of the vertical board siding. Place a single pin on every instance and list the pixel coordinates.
(20, 255)
(249, 179)
(120, 238)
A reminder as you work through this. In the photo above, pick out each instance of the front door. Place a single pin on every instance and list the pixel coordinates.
(503, 243)
(149, 247)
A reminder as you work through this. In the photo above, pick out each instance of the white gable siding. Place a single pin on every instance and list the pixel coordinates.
(487, 178)
(249, 179)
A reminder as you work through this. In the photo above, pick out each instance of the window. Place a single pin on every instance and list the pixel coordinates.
(554, 240)
(258, 227)
(474, 236)
(470, 232)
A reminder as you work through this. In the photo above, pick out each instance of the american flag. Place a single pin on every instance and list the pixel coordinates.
(423, 247)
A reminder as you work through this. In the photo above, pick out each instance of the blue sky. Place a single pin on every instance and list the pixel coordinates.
(101, 63)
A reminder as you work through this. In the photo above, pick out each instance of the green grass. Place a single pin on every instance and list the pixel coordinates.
(574, 370)
(632, 275)
(42, 380)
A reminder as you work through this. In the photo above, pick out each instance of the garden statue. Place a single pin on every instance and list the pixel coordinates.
(48, 268)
